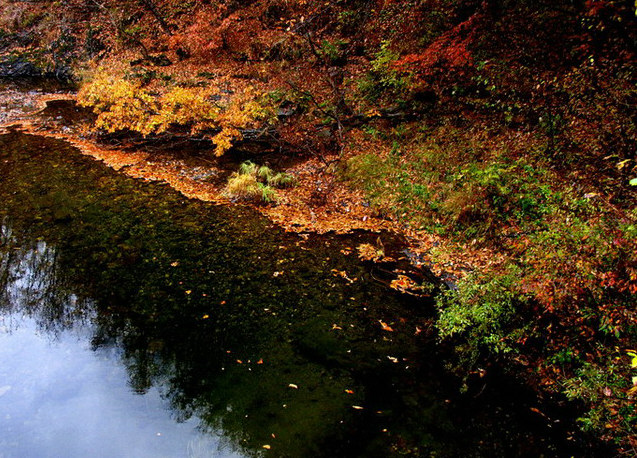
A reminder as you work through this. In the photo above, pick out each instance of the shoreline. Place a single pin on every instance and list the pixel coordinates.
(344, 211)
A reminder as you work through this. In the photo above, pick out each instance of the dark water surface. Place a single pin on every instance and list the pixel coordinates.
(137, 323)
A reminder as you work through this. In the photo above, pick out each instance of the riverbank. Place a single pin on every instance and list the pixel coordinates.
(498, 137)
(344, 209)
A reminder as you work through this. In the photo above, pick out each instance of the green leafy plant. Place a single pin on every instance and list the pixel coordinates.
(383, 77)
(480, 311)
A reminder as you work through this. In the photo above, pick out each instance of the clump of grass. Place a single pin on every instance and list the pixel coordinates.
(257, 182)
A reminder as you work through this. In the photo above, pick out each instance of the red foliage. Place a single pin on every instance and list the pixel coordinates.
(449, 52)
(203, 38)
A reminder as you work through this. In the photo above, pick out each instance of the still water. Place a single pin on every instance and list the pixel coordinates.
(137, 323)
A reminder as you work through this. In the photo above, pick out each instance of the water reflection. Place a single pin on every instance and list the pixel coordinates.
(55, 387)
(239, 328)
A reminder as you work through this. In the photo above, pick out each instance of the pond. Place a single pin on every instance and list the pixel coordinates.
(136, 322)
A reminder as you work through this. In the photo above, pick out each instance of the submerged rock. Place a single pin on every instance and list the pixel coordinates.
(18, 68)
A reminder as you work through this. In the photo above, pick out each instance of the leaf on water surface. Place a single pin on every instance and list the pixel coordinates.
(342, 274)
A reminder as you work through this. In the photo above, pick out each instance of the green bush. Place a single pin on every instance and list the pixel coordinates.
(383, 77)
(480, 311)
(255, 182)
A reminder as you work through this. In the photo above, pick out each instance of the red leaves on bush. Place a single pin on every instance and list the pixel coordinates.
(448, 52)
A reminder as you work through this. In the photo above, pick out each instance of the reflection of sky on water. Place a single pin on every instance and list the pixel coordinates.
(59, 398)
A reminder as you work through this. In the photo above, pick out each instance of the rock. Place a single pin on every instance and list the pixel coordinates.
(16, 68)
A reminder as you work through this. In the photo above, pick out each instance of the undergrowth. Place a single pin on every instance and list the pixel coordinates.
(257, 182)
(569, 277)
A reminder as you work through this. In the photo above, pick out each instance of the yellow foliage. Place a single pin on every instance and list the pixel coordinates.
(243, 186)
(223, 140)
(121, 104)
(187, 106)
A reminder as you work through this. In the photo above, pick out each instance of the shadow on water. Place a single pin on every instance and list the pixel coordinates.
(244, 328)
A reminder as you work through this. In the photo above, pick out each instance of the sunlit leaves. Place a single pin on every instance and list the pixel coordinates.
(122, 104)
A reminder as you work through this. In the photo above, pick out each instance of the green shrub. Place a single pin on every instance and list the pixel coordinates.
(383, 77)
(480, 311)
(257, 182)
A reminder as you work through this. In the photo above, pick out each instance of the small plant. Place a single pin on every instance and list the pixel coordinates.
(383, 76)
(257, 182)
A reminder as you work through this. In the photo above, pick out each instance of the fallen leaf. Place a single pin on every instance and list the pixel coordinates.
(349, 391)
(335, 326)
(357, 407)
(292, 385)
(267, 447)
(205, 317)
(385, 326)
(260, 361)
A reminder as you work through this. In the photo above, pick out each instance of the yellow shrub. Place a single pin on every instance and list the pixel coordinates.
(121, 104)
